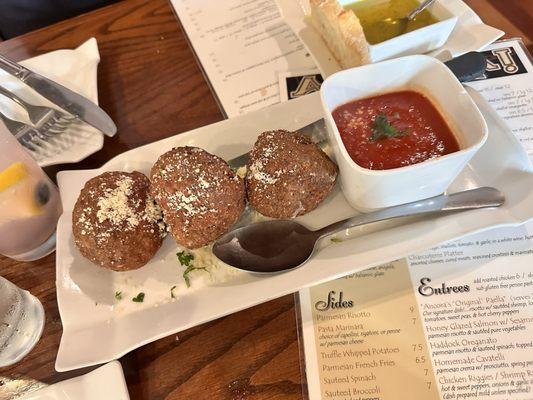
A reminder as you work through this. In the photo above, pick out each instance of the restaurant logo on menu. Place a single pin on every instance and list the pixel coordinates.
(426, 290)
(333, 302)
(298, 86)
(503, 62)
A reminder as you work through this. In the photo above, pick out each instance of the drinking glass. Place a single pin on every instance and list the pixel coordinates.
(21, 322)
(29, 203)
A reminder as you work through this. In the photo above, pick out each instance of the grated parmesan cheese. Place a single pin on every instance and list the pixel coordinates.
(113, 206)
(117, 209)
(256, 169)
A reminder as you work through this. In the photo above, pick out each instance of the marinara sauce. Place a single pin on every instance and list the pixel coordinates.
(419, 131)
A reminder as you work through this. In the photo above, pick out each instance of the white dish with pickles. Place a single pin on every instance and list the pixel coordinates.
(180, 288)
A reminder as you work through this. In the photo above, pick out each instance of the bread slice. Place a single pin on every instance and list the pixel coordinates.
(342, 32)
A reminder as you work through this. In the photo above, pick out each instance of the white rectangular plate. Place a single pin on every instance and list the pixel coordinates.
(106, 382)
(469, 34)
(95, 334)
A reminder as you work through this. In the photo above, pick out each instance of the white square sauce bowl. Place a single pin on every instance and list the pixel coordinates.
(367, 189)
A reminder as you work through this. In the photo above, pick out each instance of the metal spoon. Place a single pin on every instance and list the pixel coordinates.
(281, 245)
(402, 22)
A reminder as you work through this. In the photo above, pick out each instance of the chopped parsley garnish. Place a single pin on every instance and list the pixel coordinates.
(172, 292)
(188, 271)
(185, 258)
(382, 128)
(335, 239)
(139, 298)
(118, 295)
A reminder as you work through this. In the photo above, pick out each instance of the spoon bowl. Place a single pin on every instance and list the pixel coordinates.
(269, 246)
(281, 245)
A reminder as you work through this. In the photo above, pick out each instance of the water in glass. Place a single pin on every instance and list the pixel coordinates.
(21, 322)
(29, 203)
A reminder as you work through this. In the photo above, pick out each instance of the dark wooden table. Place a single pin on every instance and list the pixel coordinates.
(151, 85)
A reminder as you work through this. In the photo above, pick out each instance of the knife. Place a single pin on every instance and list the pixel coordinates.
(468, 67)
(77, 105)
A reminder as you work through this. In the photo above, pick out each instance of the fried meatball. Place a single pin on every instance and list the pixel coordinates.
(116, 223)
(200, 195)
(288, 175)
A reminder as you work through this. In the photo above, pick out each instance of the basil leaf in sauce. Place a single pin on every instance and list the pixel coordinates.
(139, 298)
(382, 128)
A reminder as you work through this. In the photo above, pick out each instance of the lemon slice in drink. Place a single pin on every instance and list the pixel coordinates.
(18, 193)
(12, 175)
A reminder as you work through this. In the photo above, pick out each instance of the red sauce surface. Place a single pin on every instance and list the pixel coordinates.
(427, 134)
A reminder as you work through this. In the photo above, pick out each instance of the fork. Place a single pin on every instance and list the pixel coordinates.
(45, 119)
(35, 141)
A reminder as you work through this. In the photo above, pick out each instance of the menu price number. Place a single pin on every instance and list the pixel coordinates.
(417, 347)
(412, 310)
(428, 383)
(420, 360)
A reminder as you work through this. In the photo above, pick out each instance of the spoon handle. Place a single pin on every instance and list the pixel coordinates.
(466, 200)
(419, 9)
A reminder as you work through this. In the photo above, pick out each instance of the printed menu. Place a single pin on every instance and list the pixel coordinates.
(242, 45)
(453, 322)
(508, 87)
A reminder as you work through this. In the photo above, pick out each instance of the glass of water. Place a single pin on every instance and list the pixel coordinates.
(21, 322)
(29, 203)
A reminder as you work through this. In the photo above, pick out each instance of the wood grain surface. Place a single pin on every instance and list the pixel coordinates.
(150, 84)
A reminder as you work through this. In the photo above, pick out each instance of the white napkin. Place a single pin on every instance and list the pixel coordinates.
(75, 69)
